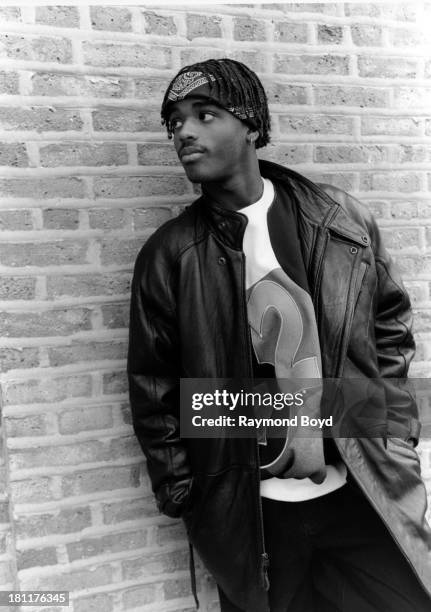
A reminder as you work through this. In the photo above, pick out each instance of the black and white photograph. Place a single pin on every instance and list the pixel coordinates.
(215, 306)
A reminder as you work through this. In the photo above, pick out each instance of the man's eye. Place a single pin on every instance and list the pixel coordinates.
(175, 124)
(206, 116)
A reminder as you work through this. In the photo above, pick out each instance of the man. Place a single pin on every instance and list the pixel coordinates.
(269, 275)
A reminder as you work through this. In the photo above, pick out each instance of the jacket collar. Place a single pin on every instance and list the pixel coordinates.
(313, 203)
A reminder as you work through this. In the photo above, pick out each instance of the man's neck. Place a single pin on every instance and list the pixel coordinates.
(240, 190)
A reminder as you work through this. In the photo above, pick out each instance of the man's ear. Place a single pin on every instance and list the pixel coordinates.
(252, 135)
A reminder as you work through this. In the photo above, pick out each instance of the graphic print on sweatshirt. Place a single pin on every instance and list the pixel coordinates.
(284, 335)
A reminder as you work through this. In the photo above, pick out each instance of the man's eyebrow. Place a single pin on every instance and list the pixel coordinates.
(199, 102)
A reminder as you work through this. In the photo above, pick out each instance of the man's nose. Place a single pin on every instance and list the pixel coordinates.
(188, 130)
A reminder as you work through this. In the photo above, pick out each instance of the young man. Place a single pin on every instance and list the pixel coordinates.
(270, 275)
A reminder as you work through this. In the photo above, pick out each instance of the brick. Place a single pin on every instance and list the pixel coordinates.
(115, 382)
(161, 25)
(4, 512)
(400, 238)
(248, 29)
(107, 218)
(36, 557)
(290, 32)
(379, 209)
(207, 26)
(316, 124)
(422, 321)
(151, 217)
(65, 187)
(59, 252)
(174, 589)
(10, 13)
(408, 37)
(38, 48)
(18, 358)
(363, 9)
(387, 67)
(351, 96)
(138, 186)
(108, 544)
(116, 120)
(408, 97)
(53, 389)
(412, 153)
(45, 323)
(101, 479)
(111, 18)
(284, 93)
(125, 446)
(324, 8)
(73, 580)
(329, 34)
(155, 563)
(390, 126)
(311, 64)
(73, 421)
(60, 218)
(13, 154)
(52, 84)
(351, 154)
(6, 573)
(89, 451)
(342, 180)
(156, 154)
(129, 510)
(286, 154)
(114, 55)
(116, 315)
(16, 220)
(94, 603)
(9, 83)
(120, 252)
(28, 425)
(36, 490)
(139, 596)
(403, 182)
(57, 16)
(83, 154)
(413, 265)
(405, 210)
(108, 283)
(151, 87)
(82, 352)
(40, 119)
(366, 35)
(61, 522)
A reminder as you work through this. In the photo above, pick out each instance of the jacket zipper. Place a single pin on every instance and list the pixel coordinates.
(264, 557)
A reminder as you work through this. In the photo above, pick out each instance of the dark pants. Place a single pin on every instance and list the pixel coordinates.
(333, 554)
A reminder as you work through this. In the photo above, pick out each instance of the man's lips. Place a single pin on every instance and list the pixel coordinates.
(190, 154)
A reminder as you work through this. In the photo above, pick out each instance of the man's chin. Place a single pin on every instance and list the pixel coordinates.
(193, 174)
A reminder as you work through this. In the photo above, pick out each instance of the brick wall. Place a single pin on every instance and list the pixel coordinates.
(87, 174)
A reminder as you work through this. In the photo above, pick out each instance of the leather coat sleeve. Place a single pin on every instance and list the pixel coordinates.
(153, 371)
(395, 344)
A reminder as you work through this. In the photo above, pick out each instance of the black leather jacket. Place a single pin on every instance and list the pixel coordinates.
(188, 319)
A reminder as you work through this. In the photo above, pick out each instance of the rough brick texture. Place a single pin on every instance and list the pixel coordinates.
(87, 174)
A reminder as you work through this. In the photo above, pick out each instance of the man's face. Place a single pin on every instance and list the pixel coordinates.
(210, 142)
